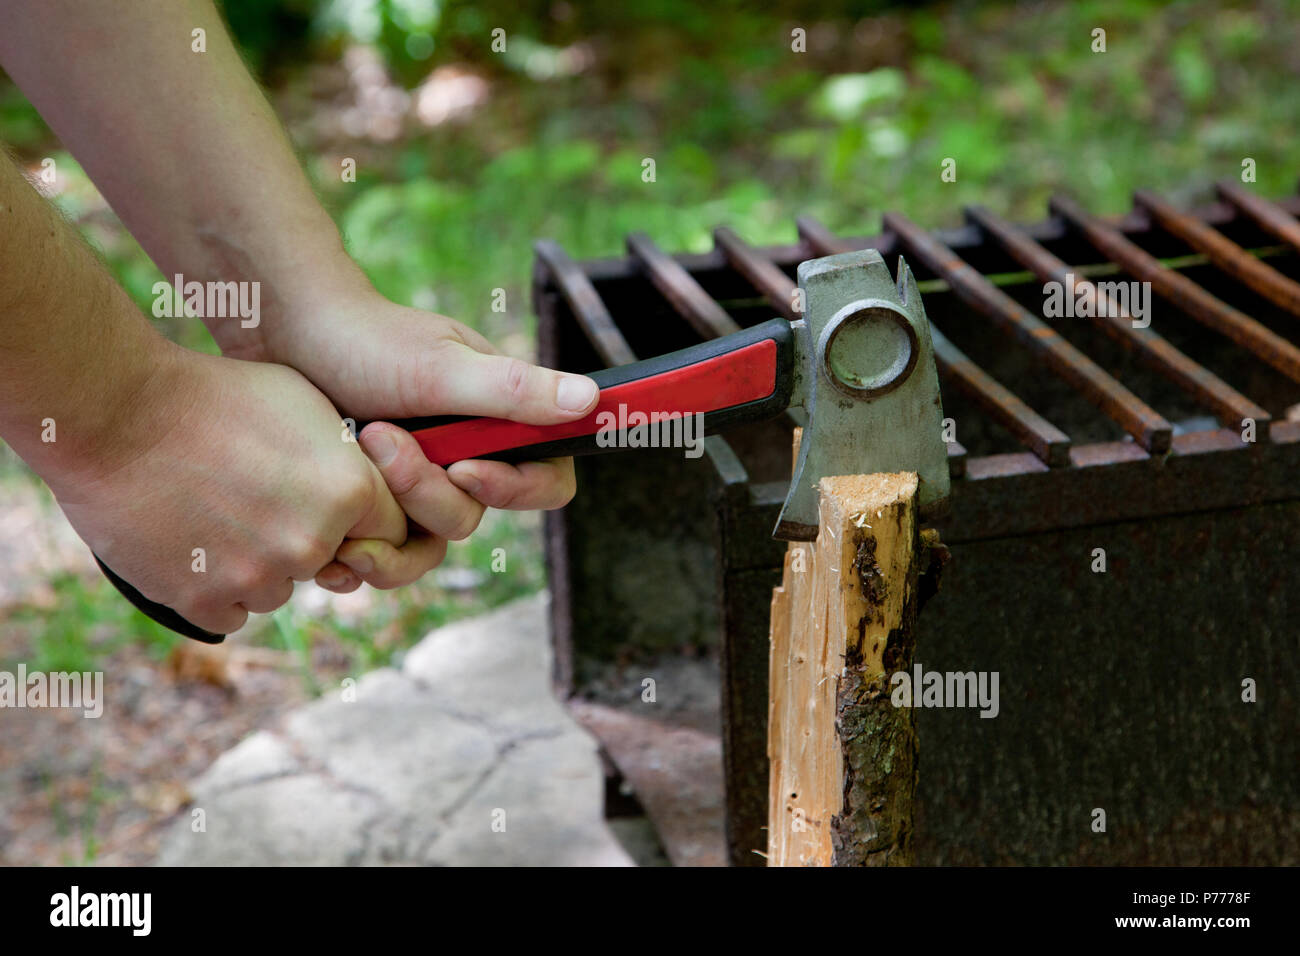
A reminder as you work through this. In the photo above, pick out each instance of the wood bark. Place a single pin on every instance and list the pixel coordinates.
(843, 758)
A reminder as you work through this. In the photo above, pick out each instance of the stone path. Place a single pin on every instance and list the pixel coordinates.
(460, 757)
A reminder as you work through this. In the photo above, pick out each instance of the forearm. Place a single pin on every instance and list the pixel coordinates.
(182, 144)
(76, 356)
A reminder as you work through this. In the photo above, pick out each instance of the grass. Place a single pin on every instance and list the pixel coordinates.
(81, 628)
(83, 819)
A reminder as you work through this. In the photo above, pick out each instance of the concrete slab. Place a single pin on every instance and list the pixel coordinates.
(460, 757)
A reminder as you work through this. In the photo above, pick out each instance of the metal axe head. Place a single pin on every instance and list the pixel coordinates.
(866, 378)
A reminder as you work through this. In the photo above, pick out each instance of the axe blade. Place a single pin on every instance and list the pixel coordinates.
(867, 380)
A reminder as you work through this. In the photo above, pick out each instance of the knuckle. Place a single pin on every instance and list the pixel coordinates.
(402, 479)
(357, 494)
(386, 562)
(517, 379)
(429, 383)
(246, 580)
(309, 552)
(431, 391)
(499, 498)
(466, 524)
(455, 331)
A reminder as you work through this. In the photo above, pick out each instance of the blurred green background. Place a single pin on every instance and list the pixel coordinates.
(465, 154)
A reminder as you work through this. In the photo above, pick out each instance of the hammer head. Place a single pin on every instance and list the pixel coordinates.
(866, 378)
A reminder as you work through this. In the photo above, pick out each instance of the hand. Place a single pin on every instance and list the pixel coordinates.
(246, 461)
(439, 501)
(378, 360)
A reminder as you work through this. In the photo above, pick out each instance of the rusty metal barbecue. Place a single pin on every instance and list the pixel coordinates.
(1066, 430)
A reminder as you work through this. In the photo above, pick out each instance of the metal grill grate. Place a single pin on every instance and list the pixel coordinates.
(1243, 244)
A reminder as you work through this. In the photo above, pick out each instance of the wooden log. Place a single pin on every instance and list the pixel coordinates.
(843, 758)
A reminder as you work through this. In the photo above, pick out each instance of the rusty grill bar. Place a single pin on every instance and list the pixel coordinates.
(1140, 421)
(1182, 291)
(1269, 216)
(955, 258)
(1223, 252)
(695, 305)
(586, 304)
(1230, 406)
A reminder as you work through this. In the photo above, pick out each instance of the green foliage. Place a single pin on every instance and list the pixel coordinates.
(1022, 105)
(268, 33)
(402, 30)
(84, 624)
(1194, 73)
(20, 125)
(464, 240)
(846, 98)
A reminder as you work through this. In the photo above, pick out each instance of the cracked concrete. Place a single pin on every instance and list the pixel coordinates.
(460, 757)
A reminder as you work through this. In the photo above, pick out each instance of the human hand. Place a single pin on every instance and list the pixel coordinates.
(378, 360)
(224, 483)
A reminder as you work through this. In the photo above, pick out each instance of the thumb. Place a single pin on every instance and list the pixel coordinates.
(474, 383)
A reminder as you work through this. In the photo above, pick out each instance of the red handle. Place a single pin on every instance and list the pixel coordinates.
(741, 377)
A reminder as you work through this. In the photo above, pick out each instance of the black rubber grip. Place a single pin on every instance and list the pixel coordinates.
(161, 613)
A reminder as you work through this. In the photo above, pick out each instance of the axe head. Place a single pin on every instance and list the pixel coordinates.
(866, 379)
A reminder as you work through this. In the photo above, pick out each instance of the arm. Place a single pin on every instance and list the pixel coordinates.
(154, 451)
(184, 147)
(74, 351)
(192, 158)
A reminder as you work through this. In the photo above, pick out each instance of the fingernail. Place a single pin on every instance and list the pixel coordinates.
(360, 562)
(575, 393)
(379, 445)
(333, 579)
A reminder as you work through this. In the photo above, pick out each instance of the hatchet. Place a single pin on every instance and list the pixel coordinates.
(858, 367)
